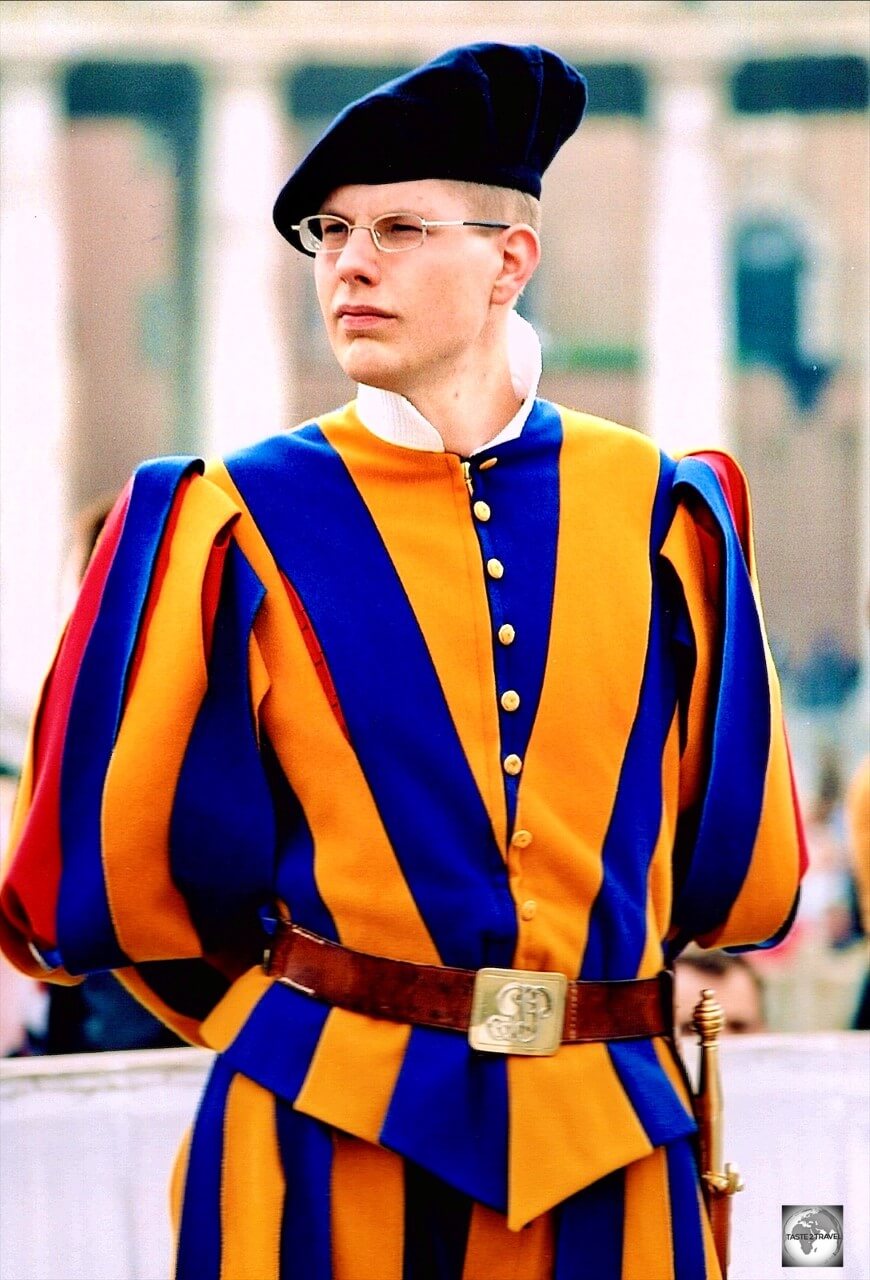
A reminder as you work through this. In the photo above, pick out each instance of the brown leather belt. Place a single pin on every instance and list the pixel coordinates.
(502, 1010)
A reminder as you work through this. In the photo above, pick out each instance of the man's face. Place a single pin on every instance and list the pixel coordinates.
(402, 321)
(735, 990)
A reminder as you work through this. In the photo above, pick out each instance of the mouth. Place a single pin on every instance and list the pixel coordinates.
(357, 319)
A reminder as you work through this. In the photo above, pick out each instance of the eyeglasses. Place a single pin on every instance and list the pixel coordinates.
(391, 232)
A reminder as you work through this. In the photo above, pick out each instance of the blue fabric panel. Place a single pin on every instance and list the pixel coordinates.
(617, 923)
(295, 882)
(199, 1242)
(449, 1114)
(523, 536)
(741, 735)
(437, 1220)
(306, 1232)
(589, 1231)
(649, 1091)
(276, 1044)
(222, 832)
(86, 936)
(325, 541)
(687, 1231)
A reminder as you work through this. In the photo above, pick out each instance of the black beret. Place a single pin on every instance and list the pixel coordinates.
(489, 113)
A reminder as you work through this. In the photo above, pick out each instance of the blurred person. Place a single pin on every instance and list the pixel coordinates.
(739, 990)
(858, 828)
(456, 700)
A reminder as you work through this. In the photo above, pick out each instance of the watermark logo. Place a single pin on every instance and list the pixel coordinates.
(812, 1235)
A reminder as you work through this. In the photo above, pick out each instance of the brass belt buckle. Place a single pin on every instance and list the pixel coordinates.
(517, 1011)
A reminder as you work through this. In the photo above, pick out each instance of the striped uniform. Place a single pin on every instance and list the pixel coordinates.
(285, 681)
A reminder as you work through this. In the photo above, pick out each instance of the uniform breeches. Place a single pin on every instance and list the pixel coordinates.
(266, 1193)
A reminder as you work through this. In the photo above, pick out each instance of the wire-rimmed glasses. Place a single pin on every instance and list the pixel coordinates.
(391, 232)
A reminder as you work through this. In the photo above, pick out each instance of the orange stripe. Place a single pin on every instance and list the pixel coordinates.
(252, 1185)
(494, 1251)
(648, 1248)
(398, 486)
(368, 1204)
(148, 911)
(353, 1073)
(588, 701)
(177, 1180)
(559, 1142)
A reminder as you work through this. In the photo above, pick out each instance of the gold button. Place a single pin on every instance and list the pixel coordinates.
(485, 466)
(529, 909)
(521, 839)
(495, 568)
(506, 633)
(482, 511)
(512, 765)
(510, 699)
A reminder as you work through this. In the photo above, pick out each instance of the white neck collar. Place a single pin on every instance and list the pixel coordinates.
(393, 418)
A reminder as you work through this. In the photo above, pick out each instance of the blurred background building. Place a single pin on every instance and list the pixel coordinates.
(705, 279)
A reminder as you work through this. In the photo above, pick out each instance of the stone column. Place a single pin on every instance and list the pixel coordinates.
(35, 389)
(246, 350)
(688, 308)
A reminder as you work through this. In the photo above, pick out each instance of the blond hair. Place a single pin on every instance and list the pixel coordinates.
(499, 204)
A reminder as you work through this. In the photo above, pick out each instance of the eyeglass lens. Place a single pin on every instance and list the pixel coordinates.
(392, 232)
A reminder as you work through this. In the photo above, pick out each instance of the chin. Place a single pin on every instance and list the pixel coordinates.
(373, 367)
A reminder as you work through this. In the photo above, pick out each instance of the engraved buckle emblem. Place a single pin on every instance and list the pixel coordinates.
(517, 1011)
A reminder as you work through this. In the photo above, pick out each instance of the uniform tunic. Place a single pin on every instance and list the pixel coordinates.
(519, 712)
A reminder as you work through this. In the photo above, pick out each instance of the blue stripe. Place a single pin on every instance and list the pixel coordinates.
(589, 1231)
(617, 922)
(686, 1227)
(523, 535)
(222, 832)
(295, 883)
(86, 935)
(306, 1234)
(325, 541)
(741, 735)
(277, 1042)
(199, 1242)
(449, 1113)
(649, 1090)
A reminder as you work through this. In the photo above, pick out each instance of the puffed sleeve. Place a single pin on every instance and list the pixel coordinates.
(143, 834)
(740, 850)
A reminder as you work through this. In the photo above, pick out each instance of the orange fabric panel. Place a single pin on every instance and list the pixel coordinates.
(252, 1185)
(353, 1072)
(572, 1143)
(647, 1252)
(603, 549)
(368, 1205)
(493, 1250)
(148, 912)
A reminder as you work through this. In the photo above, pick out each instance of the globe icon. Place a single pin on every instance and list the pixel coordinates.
(812, 1237)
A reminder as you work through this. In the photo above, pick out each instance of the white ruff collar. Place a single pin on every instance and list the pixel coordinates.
(394, 419)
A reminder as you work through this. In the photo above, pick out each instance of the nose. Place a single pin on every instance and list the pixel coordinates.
(359, 259)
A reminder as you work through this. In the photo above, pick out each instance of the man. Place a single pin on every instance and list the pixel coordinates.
(467, 697)
(738, 985)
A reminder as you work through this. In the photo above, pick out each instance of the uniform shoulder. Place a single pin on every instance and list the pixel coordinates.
(605, 433)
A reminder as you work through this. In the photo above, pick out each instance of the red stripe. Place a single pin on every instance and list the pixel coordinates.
(315, 652)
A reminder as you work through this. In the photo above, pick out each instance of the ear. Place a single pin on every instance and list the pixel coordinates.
(521, 253)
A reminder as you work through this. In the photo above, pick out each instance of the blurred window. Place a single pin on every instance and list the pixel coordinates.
(835, 83)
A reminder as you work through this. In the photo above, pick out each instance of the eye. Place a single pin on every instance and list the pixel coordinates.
(399, 230)
(331, 229)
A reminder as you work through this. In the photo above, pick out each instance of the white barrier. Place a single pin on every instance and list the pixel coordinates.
(87, 1142)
